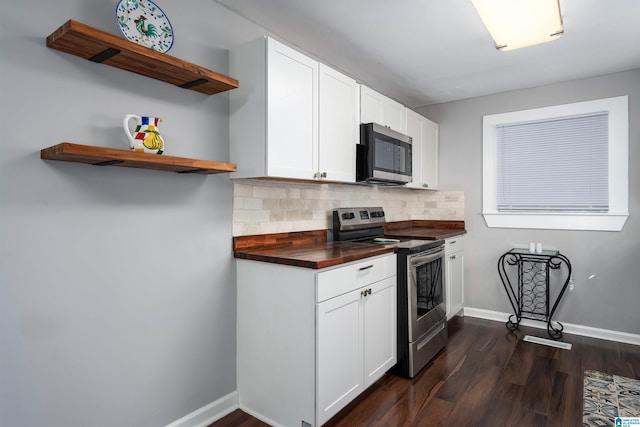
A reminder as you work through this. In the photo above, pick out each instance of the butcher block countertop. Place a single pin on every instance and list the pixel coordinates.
(310, 249)
(425, 229)
(317, 256)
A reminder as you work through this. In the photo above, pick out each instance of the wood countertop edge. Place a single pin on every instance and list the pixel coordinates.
(318, 264)
(304, 238)
(248, 247)
(280, 240)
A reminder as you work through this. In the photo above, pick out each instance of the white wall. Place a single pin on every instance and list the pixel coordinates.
(117, 289)
(609, 299)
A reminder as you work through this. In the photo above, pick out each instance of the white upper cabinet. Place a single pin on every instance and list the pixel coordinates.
(414, 130)
(371, 106)
(425, 135)
(377, 108)
(291, 117)
(292, 124)
(430, 147)
(338, 124)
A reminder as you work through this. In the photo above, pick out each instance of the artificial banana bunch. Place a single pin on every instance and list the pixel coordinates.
(153, 141)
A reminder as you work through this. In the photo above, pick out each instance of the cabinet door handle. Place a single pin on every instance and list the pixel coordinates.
(453, 257)
(452, 242)
(323, 175)
(369, 291)
(365, 292)
(425, 185)
(366, 267)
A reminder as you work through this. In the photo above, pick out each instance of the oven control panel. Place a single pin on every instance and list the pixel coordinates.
(358, 218)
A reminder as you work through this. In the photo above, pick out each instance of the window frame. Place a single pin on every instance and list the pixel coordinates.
(613, 220)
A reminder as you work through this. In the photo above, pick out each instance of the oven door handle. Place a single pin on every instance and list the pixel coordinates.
(424, 259)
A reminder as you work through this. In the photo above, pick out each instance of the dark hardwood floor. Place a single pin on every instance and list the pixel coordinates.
(486, 376)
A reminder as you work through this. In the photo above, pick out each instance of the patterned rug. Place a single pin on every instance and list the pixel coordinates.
(607, 397)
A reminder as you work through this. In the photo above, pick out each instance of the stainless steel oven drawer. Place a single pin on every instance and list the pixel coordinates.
(426, 347)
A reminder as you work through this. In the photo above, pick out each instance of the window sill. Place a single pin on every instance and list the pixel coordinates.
(612, 221)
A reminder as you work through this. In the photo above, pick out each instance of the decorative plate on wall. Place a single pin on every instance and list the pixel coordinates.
(143, 22)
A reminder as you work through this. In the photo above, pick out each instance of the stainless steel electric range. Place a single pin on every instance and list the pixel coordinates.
(422, 320)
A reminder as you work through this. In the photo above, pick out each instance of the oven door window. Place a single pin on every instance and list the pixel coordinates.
(429, 293)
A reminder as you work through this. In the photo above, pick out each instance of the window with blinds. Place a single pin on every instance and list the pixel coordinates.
(561, 167)
(553, 165)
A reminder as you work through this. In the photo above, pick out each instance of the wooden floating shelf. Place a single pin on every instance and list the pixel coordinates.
(100, 156)
(99, 46)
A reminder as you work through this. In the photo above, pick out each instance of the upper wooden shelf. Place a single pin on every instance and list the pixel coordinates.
(99, 46)
(100, 156)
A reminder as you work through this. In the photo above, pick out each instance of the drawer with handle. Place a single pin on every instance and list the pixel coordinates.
(453, 244)
(352, 276)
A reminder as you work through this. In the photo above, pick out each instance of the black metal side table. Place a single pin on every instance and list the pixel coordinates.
(530, 296)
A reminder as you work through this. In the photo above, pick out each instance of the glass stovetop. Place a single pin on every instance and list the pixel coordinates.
(404, 243)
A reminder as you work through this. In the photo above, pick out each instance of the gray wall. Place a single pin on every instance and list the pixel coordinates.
(117, 288)
(117, 295)
(610, 299)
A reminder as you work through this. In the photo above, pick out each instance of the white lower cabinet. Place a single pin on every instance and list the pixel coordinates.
(356, 344)
(310, 341)
(380, 329)
(339, 374)
(454, 275)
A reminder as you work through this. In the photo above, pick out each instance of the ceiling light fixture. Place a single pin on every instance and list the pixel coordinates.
(520, 23)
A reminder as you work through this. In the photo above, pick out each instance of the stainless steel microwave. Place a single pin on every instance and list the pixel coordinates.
(383, 155)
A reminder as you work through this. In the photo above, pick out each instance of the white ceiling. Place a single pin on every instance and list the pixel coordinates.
(423, 52)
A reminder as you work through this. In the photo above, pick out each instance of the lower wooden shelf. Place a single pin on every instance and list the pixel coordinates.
(101, 156)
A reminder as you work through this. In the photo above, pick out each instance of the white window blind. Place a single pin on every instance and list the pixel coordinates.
(558, 164)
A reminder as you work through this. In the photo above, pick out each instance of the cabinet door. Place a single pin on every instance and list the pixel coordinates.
(430, 146)
(339, 353)
(454, 283)
(371, 106)
(338, 125)
(377, 108)
(380, 344)
(414, 130)
(395, 115)
(425, 151)
(292, 99)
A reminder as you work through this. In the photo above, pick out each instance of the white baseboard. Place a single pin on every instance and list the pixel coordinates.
(259, 416)
(569, 328)
(209, 413)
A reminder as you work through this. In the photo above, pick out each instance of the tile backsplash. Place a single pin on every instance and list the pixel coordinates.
(263, 207)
